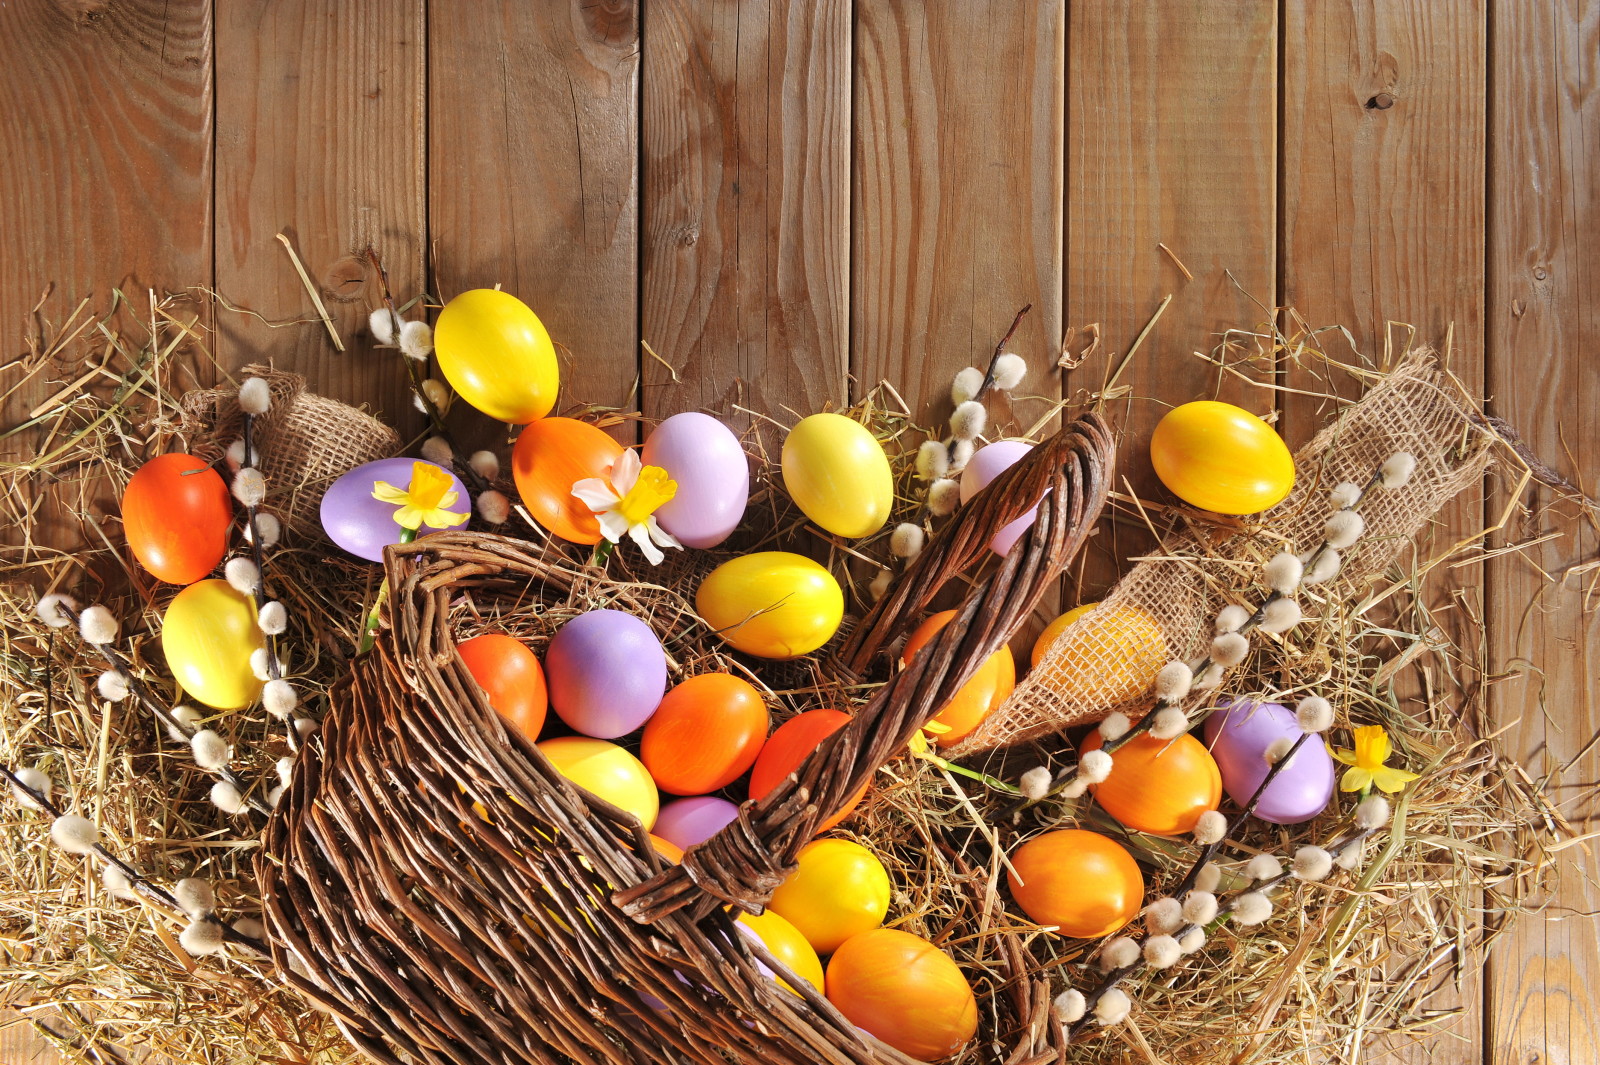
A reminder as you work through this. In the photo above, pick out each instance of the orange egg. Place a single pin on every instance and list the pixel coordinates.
(978, 697)
(176, 513)
(1113, 663)
(667, 849)
(1082, 883)
(552, 455)
(905, 991)
(510, 675)
(788, 747)
(1159, 786)
(705, 734)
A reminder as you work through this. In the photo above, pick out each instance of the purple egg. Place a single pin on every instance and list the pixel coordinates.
(706, 460)
(989, 462)
(364, 526)
(606, 673)
(1239, 734)
(688, 822)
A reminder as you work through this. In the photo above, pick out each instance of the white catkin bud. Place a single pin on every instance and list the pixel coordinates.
(112, 685)
(227, 797)
(418, 402)
(250, 927)
(97, 625)
(968, 421)
(1095, 766)
(279, 698)
(255, 396)
(275, 794)
(1280, 615)
(1174, 681)
(1372, 812)
(39, 781)
(285, 769)
(1251, 908)
(1192, 940)
(933, 460)
(1119, 953)
(1230, 649)
(1345, 495)
(1324, 567)
(1163, 915)
(74, 834)
(195, 896)
(961, 452)
(116, 883)
(1350, 856)
(273, 618)
(381, 324)
(210, 750)
(1343, 528)
(1210, 677)
(966, 385)
(1070, 1006)
(1283, 573)
(416, 340)
(243, 574)
(1113, 1007)
(486, 463)
(185, 715)
(1009, 370)
(1161, 952)
(437, 450)
(270, 528)
(1311, 863)
(49, 612)
(1075, 788)
(1115, 726)
(1263, 867)
(1170, 723)
(1209, 878)
(437, 393)
(250, 486)
(1397, 469)
(1314, 714)
(494, 507)
(261, 664)
(1035, 783)
(907, 540)
(201, 938)
(1200, 907)
(1230, 618)
(1211, 827)
(879, 585)
(943, 497)
(1277, 749)
(305, 727)
(235, 456)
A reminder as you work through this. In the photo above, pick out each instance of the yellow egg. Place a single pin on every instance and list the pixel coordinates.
(496, 354)
(838, 888)
(1221, 458)
(772, 604)
(208, 634)
(836, 471)
(606, 770)
(787, 945)
(1115, 662)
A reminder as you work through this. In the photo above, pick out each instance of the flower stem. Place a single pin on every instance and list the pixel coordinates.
(369, 632)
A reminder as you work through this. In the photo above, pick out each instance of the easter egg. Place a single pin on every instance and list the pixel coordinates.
(837, 473)
(496, 354)
(606, 673)
(1113, 662)
(690, 822)
(987, 463)
(1239, 734)
(1221, 458)
(786, 944)
(905, 991)
(176, 513)
(208, 634)
(838, 888)
(707, 461)
(705, 734)
(1082, 883)
(1158, 786)
(510, 675)
(667, 849)
(978, 697)
(787, 747)
(364, 525)
(550, 456)
(608, 771)
(772, 604)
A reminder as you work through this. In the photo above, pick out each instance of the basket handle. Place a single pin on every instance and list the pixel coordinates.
(1068, 476)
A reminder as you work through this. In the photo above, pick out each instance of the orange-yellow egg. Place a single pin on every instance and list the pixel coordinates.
(787, 945)
(979, 697)
(705, 734)
(552, 455)
(838, 889)
(1159, 786)
(1113, 663)
(1082, 883)
(510, 675)
(1221, 458)
(905, 991)
(606, 770)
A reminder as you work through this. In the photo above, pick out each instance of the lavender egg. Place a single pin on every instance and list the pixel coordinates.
(688, 822)
(1239, 734)
(363, 525)
(707, 461)
(606, 673)
(989, 462)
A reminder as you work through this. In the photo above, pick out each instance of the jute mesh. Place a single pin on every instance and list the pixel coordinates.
(1107, 659)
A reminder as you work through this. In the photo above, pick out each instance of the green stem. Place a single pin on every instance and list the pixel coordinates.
(369, 633)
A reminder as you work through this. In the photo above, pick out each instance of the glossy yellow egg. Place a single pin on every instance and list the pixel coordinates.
(606, 770)
(496, 354)
(838, 888)
(208, 634)
(836, 471)
(787, 945)
(772, 604)
(1112, 663)
(1221, 458)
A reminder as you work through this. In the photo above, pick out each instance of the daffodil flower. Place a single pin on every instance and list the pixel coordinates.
(626, 504)
(423, 502)
(1366, 763)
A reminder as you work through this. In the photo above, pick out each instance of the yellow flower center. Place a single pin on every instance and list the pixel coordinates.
(429, 484)
(652, 489)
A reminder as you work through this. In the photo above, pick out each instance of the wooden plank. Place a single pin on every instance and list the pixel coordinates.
(533, 176)
(320, 136)
(1543, 325)
(745, 256)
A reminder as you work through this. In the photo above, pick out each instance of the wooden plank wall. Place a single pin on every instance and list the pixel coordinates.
(793, 199)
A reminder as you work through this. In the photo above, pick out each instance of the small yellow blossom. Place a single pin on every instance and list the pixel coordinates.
(626, 504)
(1366, 763)
(424, 501)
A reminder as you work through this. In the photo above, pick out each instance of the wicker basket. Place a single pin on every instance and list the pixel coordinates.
(541, 926)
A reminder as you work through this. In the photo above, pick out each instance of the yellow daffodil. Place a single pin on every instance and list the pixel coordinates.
(626, 504)
(1366, 763)
(424, 501)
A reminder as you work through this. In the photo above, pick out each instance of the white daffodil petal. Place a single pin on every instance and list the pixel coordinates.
(641, 536)
(594, 493)
(660, 535)
(625, 472)
(613, 526)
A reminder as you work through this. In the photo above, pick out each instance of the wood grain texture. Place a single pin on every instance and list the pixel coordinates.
(1543, 326)
(301, 77)
(745, 248)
